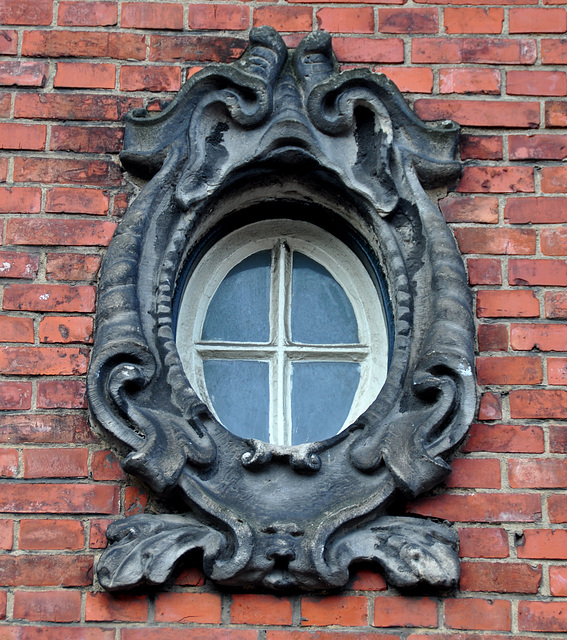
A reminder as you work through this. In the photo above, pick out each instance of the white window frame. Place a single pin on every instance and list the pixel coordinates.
(283, 237)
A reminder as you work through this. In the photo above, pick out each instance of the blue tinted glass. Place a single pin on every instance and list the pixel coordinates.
(321, 313)
(240, 395)
(239, 310)
(321, 398)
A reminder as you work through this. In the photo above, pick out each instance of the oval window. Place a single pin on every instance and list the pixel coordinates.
(282, 332)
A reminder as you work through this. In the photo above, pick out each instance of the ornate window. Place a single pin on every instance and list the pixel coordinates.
(284, 334)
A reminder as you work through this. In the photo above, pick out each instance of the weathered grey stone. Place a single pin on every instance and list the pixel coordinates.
(284, 128)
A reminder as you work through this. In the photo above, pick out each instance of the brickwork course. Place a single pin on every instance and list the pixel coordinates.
(69, 71)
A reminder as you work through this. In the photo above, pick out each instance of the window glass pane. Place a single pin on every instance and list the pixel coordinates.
(321, 397)
(240, 395)
(239, 310)
(321, 313)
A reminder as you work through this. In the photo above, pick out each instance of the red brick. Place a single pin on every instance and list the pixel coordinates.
(542, 616)
(545, 337)
(149, 15)
(558, 581)
(49, 297)
(389, 51)
(135, 500)
(61, 361)
(15, 395)
(6, 535)
(507, 304)
(492, 337)
(484, 271)
(87, 14)
(538, 147)
(49, 606)
(72, 266)
(58, 329)
(105, 466)
(54, 633)
(346, 20)
(46, 571)
(26, 12)
(555, 113)
(76, 200)
(545, 544)
(558, 434)
(480, 113)
(536, 83)
(55, 170)
(473, 20)
(555, 305)
(59, 498)
(469, 209)
(554, 179)
(367, 580)
(150, 78)
(3, 162)
(48, 429)
(497, 180)
(537, 474)
(8, 42)
(73, 107)
(399, 611)
(22, 136)
(201, 608)
(490, 406)
(23, 73)
(20, 200)
(98, 533)
(86, 139)
(554, 242)
(39, 535)
(483, 543)
(8, 463)
(474, 50)
(190, 577)
(84, 44)
(469, 81)
(500, 577)
(480, 507)
(59, 232)
(218, 17)
(59, 394)
(248, 608)
(536, 210)
(537, 20)
(496, 242)
(343, 611)
(404, 20)
(106, 607)
(527, 272)
(195, 48)
(5, 107)
(169, 633)
(85, 75)
(475, 474)
(538, 404)
(557, 509)
(410, 80)
(284, 18)
(553, 51)
(474, 613)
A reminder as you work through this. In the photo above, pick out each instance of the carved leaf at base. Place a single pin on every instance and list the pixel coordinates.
(145, 549)
(411, 552)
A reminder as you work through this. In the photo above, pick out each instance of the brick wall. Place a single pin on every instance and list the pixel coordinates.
(69, 71)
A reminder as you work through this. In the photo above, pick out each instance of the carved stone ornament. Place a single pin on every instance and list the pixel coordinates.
(277, 131)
